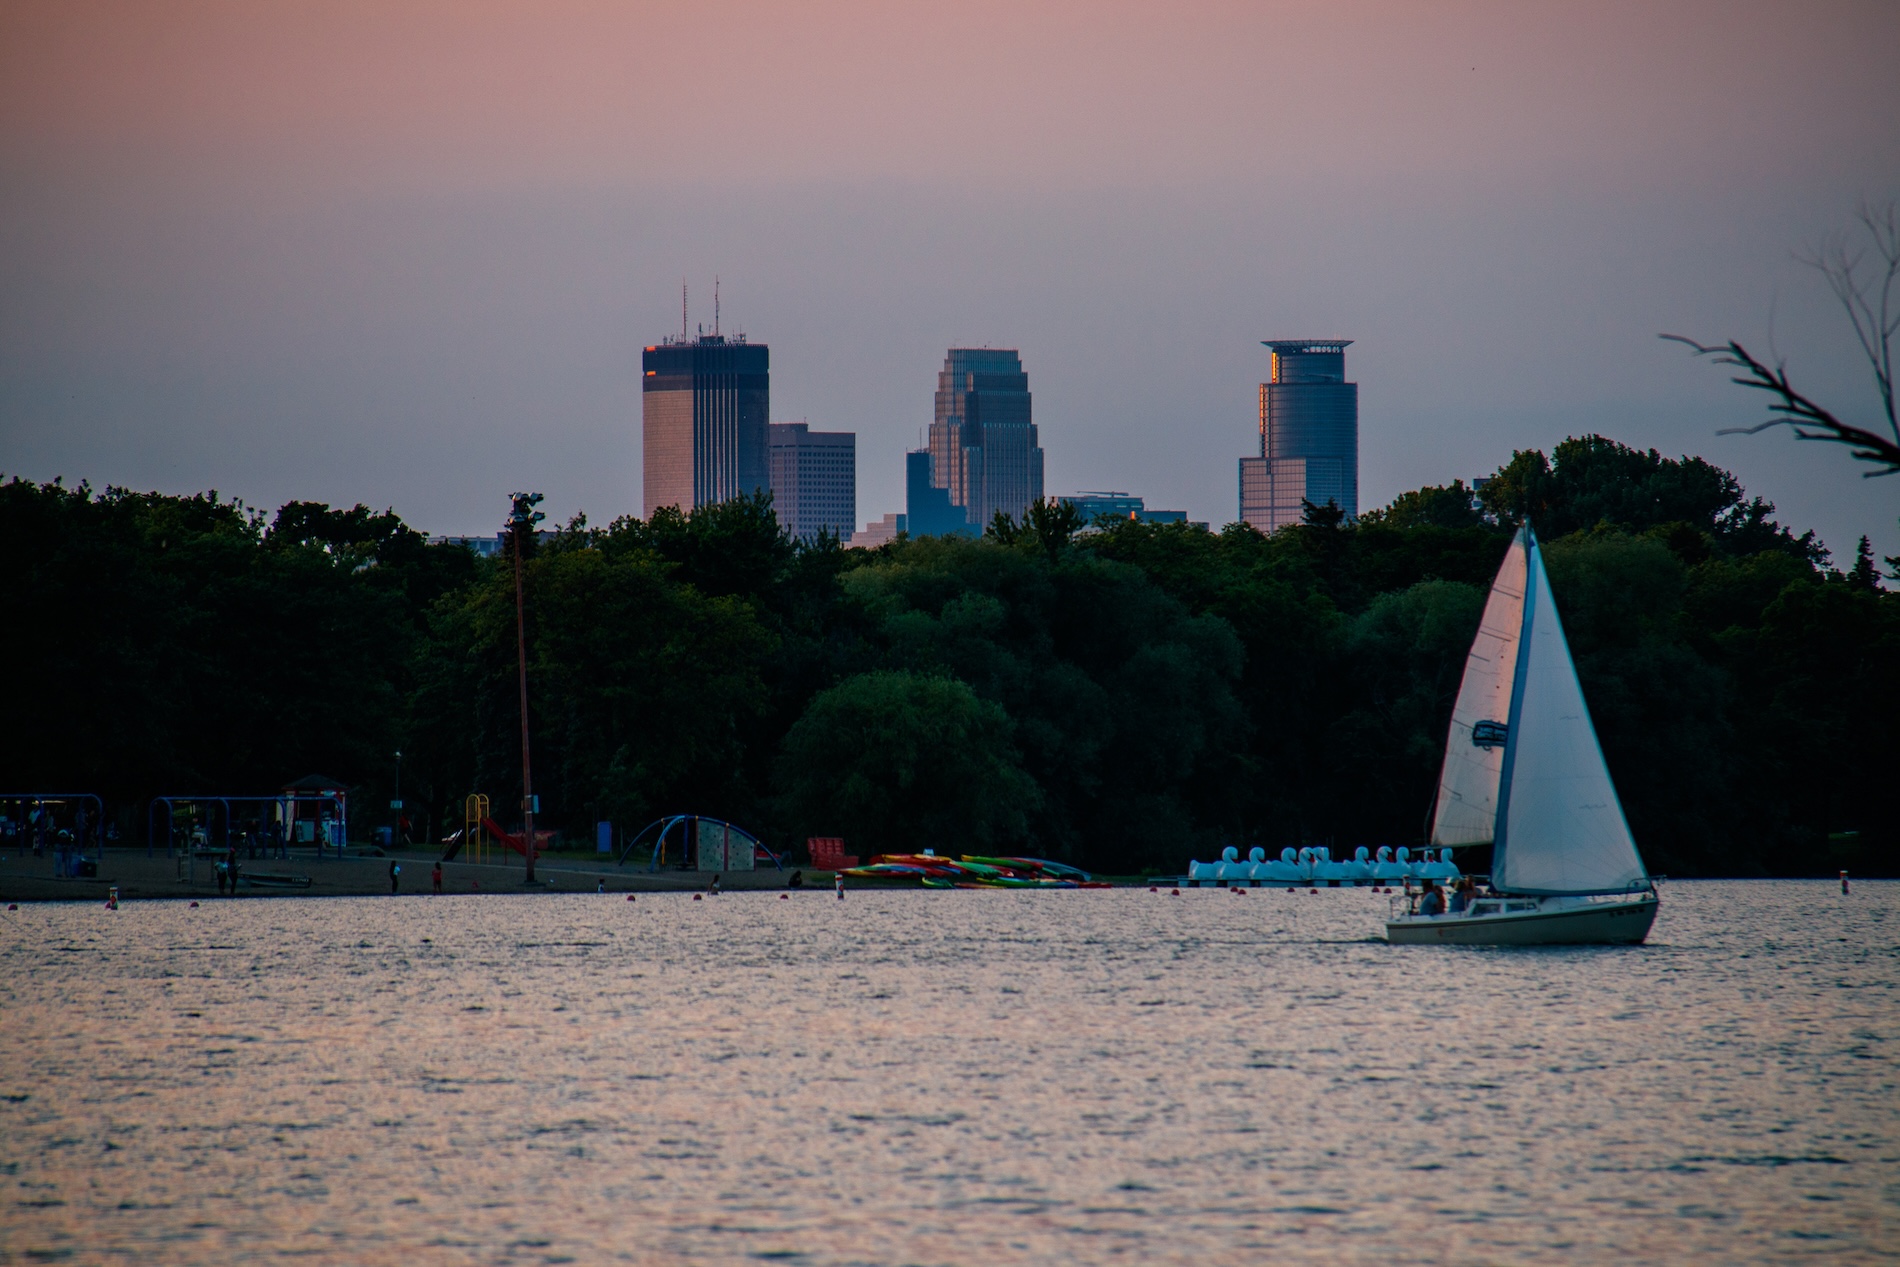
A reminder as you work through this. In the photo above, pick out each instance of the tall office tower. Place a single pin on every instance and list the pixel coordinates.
(703, 413)
(1309, 436)
(983, 448)
(929, 511)
(814, 480)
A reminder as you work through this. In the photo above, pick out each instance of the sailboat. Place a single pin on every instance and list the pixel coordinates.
(1524, 773)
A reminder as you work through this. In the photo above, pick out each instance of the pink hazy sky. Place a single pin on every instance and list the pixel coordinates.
(406, 253)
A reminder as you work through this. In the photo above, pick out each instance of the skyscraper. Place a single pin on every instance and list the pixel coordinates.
(983, 448)
(703, 410)
(928, 511)
(814, 480)
(1309, 436)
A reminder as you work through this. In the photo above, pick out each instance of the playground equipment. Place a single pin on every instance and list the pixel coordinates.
(38, 827)
(473, 839)
(705, 844)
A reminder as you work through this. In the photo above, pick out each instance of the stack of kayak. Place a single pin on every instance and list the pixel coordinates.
(934, 871)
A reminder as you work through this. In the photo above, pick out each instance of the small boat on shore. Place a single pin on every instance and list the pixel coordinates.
(1523, 772)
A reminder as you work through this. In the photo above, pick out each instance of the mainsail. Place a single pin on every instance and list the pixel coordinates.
(1560, 827)
(1474, 751)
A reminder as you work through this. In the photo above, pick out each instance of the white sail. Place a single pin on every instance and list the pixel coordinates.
(1468, 783)
(1560, 827)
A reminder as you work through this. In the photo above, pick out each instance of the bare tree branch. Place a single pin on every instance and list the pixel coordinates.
(1809, 420)
(1872, 305)
(1869, 303)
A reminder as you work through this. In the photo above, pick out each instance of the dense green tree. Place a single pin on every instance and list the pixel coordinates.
(1454, 506)
(1592, 480)
(903, 762)
(1125, 696)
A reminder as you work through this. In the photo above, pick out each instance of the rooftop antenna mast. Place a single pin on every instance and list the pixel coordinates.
(715, 305)
(682, 309)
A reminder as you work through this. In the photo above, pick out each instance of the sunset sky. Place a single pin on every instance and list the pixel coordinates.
(407, 253)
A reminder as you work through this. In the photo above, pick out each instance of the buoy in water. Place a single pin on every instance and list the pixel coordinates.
(1154, 888)
(194, 904)
(695, 897)
(1175, 893)
(630, 897)
(784, 897)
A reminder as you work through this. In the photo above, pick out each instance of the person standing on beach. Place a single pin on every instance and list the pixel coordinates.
(435, 877)
(395, 876)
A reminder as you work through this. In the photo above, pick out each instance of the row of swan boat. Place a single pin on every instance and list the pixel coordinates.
(1316, 865)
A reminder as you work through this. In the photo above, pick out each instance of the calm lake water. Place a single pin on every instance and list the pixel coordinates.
(930, 1077)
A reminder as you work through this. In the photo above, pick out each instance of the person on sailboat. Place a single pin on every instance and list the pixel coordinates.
(1460, 898)
(1433, 901)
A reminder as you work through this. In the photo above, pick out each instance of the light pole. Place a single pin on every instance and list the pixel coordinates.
(395, 802)
(522, 521)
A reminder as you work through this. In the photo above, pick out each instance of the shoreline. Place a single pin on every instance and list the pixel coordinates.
(24, 878)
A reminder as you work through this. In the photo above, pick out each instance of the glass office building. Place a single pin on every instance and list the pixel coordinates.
(983, 449)
(704, 408)
(928, 510)
(814, 480)
(1309, 436)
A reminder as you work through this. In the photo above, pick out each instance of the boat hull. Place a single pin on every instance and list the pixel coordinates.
(1553, 922)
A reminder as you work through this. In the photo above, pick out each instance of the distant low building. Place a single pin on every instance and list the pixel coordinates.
(814, 480)
(1094, 505)
(881, 533)
(489, 547)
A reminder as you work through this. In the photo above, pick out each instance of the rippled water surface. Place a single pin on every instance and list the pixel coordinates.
(945, 1077)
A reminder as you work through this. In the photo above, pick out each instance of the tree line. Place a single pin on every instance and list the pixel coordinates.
(1121, 695)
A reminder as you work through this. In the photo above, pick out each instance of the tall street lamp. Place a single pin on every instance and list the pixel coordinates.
(522, 521)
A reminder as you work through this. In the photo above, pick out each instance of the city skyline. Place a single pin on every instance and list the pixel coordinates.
(298, 257)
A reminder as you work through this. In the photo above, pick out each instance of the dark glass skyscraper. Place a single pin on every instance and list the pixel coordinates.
(983, 448)
(703, 411)
(1309, 436)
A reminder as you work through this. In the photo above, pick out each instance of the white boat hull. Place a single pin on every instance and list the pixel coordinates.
(1550, 921)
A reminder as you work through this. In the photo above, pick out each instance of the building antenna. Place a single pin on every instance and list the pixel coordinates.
(715, 305)
(682, 309)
